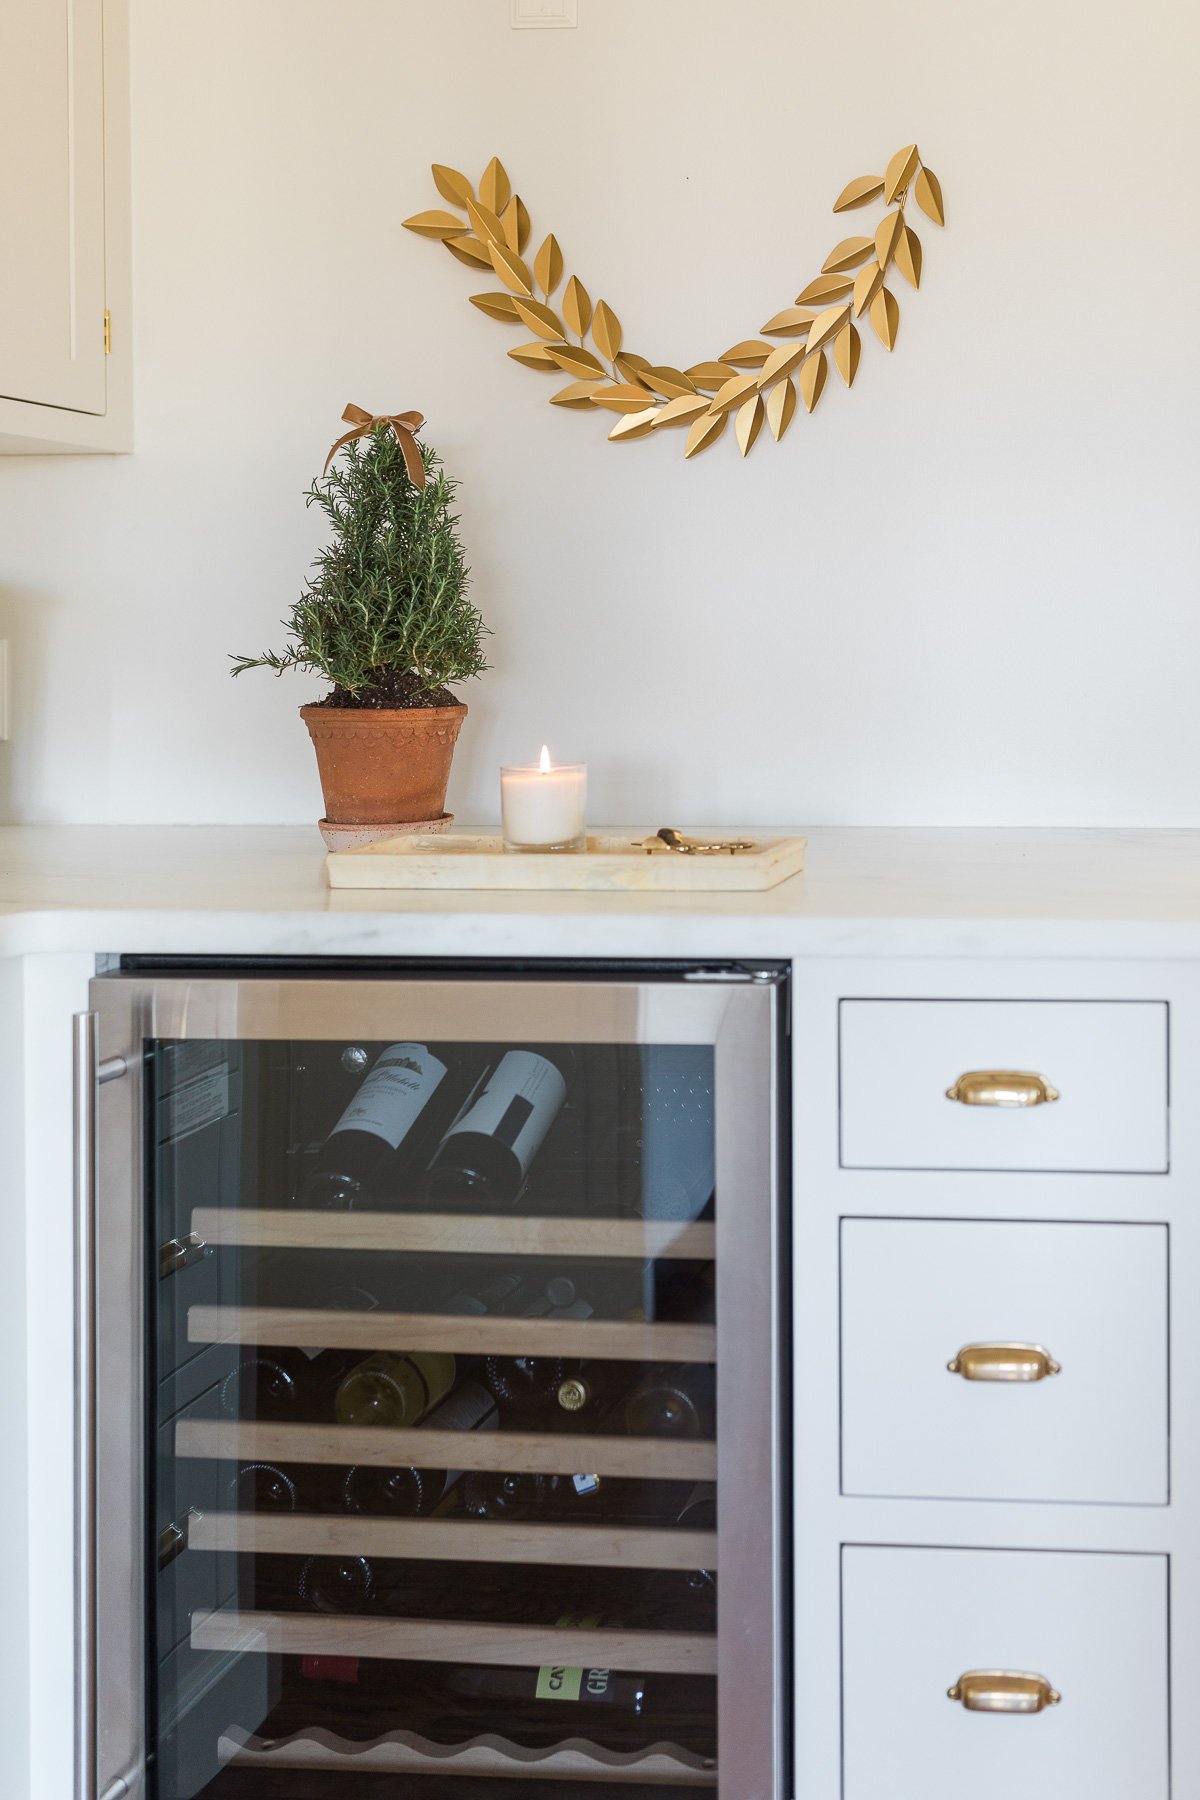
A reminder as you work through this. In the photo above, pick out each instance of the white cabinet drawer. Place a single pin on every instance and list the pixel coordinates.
(1095, 1626)
(916, 1291)
(1106, 1059)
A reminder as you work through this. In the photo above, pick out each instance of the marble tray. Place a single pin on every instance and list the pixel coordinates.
(613, 862)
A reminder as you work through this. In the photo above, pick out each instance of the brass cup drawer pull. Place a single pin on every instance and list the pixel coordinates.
(1003, 1362)
(1002, 1087)
(1003, 1691)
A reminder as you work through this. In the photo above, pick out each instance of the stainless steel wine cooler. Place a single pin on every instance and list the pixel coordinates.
(430, 1346)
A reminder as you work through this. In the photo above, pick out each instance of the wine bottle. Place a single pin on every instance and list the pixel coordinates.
(521, 1687)
(487, 1494)
(261, 1487)
(384, 1112)
(699, 1513)
(266, 1383)
(672, 1402)
(335, 1584)
(413, 1492)
(484, 1158)
(394, 1388)
(525, 1385)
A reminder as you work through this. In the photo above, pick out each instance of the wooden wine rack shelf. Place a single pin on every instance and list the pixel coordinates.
(403, 1752)
(453, 1540)
(515, 1452)
(440, 1640)
(441, 1233)
(624, 1340)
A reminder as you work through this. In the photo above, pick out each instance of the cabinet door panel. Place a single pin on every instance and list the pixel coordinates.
(917, 1291)
(52, 203)
(1095, 1626)
(1106, 1061)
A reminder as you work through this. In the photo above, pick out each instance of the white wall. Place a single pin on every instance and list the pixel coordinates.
(963, 593)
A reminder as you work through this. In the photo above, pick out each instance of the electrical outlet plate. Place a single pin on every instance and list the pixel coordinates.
(544, 15)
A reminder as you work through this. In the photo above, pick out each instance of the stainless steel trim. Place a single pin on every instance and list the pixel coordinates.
(113, 1407)
(750, 1699)
(343, 1010)
(86, 1085)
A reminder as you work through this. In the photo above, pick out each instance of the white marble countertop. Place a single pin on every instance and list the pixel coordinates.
(261, 890)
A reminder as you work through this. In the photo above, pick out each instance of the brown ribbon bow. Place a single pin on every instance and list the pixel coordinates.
(405, 425)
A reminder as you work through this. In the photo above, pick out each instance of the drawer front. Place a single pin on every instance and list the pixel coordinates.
(1095, 1626)
(915, 1292)
(1106, 1060)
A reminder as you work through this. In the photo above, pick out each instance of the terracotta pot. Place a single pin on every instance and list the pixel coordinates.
(383, 765)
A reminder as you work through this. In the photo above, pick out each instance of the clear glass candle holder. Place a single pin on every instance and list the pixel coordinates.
(543, 808)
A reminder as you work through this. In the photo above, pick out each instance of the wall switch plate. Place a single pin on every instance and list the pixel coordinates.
(4, 726)
(544, 15)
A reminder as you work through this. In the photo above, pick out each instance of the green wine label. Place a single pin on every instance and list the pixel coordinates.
(555, 1682)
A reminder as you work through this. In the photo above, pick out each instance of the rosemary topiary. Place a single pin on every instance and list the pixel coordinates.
(386, 618)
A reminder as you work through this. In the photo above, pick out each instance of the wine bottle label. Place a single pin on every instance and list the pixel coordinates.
(554, 1682)
(518, 1105)
(585, 1484)
(469, 1408)
(394, 1094)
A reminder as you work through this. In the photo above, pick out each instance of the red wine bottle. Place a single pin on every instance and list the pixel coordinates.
(484, 1159)
(387, 1108)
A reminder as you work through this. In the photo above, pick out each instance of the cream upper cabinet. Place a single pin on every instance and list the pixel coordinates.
(64, 225)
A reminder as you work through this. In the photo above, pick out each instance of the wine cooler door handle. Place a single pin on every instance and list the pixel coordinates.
(88, 1073)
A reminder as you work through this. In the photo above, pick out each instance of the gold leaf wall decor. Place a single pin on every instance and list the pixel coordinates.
(754, 382)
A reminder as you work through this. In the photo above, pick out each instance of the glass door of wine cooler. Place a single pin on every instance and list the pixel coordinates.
(437, 1363)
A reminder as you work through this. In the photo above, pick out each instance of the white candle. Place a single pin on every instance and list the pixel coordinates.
(542, 806)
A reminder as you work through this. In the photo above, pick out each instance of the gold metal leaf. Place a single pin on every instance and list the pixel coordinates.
(622, 397)
(578, 394)
(793, 321)
(577, 306)
(497, 306)
(828, 325)
(606, 330)
(781, 408)
(682, 410)
(495, 189)
(631, 367)
(825, 289)
(668, 382)
(848, 254)
(577, 361)
(434, 224)
(900, 172)
(705, 431)
(485, 223)
(749, 423)
(635, 425)
(535, 356)
(511, 269)
(710, 374)
(885, 317)
(857, 193)
(812, 379)
(751, 353)
(847, 348)
(539, 317)
(735, 391)
(468, 250)
(867, 284)
(929, 196)
(451, 185)
(887, 237)
(548, 266)
(908, 256)
(781, 362)
(516, 222)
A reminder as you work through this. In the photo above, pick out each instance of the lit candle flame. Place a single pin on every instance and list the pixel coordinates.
(544, 761)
